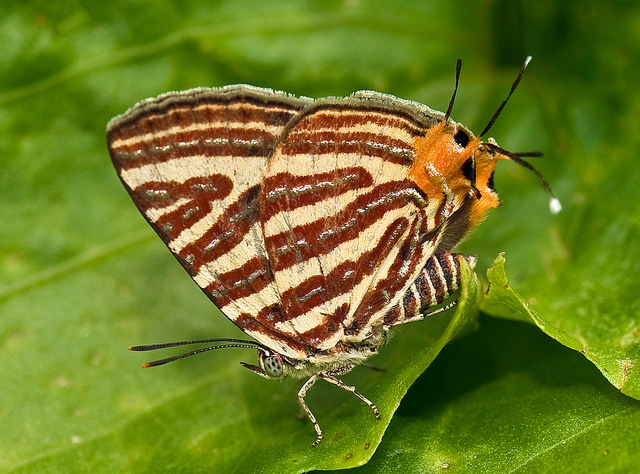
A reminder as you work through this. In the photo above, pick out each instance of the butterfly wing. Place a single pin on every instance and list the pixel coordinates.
(346, 230)
(194, 162)
(296, 217)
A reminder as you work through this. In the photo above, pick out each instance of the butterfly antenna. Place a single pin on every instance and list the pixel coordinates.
(236, 343)
(513, 88)
(554, 203)
(153, 347)
(455, 90)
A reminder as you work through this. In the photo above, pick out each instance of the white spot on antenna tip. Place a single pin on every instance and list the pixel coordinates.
(555, 206)
(527, 61)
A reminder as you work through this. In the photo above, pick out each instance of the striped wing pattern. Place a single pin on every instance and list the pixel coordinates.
(342, 221)
(296, 217)
(193, 163)
(438, 279)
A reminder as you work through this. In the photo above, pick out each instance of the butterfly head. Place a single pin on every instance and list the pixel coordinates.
(455, 168)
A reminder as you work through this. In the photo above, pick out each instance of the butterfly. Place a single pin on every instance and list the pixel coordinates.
(315, 226)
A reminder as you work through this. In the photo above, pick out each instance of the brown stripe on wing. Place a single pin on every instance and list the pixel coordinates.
(240, 282)
(376, 111)
(227, 232)
(320, 236)
(326, 327)
(350, 131)
(317, 289)
(206, 106)
(377, 299)
(199, 192)
(369, 144)
(220, 141)
(185, 122)
(394, 315)
(284, 192)
(251, 325)
(159, 131)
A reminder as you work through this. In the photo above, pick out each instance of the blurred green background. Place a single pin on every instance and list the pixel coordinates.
(82, 276)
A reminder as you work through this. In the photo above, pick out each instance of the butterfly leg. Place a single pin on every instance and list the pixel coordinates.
(442, 309)
(301, 395)
(329, 377)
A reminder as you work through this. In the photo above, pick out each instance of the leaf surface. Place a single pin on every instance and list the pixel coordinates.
(82, 276)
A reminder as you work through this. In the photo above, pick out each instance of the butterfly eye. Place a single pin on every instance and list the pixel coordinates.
(461, 138)
(273, 366)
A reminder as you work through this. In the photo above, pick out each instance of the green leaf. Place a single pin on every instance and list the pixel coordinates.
(501, 300)
(601, 343)
(192, 416)
(510, 399)
(82, 276)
